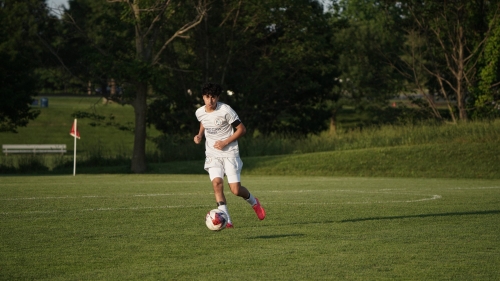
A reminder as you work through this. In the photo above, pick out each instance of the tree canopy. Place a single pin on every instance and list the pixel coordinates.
(20, 23)
(287, 66)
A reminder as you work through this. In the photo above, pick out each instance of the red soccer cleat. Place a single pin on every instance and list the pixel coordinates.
(261, 213)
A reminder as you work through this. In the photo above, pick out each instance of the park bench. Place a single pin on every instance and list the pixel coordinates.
(33, 148)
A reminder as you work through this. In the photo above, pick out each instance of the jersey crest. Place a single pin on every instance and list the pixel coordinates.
(219, 121)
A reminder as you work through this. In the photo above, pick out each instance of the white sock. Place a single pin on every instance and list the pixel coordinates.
(251, 200)
(224, 208)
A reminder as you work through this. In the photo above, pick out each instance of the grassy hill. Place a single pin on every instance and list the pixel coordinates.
(54, 123)
(430, 160)
(469, 150)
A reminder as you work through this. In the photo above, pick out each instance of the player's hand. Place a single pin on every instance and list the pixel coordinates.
(220, 144)
(197, 139)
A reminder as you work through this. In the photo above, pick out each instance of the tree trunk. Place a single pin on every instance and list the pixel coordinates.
(462, 110)
(461, 77)
(448, 103)
(140, 111)
(145, 40)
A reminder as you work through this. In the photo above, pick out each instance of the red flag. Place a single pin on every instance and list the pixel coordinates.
(74, 131)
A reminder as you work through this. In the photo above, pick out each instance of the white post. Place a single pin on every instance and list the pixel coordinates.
(74, 151)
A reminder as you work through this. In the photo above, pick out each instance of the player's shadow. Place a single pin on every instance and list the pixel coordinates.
(491, 212)
(276, 236)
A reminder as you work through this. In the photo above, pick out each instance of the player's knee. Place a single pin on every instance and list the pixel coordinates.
(238, 190)
(217, 184)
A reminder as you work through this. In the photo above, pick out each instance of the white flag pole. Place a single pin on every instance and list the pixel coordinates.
(74, 151)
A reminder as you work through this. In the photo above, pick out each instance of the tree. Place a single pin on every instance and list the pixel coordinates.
(365, 41)
(455, 33)
(20, 50)
(126, 40)
(486, 94)
(271, 55)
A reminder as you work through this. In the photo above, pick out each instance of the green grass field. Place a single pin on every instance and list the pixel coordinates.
(151, 227)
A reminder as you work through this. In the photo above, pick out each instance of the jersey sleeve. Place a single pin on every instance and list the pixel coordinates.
(231, 115)
(199, 113)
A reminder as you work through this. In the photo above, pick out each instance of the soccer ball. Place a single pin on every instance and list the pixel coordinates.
(216, 220)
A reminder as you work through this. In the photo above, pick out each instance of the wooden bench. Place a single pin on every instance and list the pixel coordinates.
(33, 148)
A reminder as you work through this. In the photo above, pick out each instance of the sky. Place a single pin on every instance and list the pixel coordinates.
(57, 3)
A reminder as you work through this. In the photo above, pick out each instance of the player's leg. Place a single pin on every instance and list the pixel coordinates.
(241, 191)
(217, 178)
(232, 167)
(218, 186)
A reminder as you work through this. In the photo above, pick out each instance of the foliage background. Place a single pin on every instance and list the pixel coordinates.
(292, 69)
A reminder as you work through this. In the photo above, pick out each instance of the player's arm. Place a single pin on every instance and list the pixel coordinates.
(240, 130)
(199, 136)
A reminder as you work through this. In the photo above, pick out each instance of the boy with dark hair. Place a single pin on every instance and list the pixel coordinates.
(222, 128)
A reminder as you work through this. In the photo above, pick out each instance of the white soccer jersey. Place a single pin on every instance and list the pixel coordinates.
(217, 126)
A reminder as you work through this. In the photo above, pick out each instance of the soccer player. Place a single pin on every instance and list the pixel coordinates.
(222, 128)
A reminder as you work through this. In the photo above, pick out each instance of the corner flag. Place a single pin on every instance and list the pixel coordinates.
(74, 131)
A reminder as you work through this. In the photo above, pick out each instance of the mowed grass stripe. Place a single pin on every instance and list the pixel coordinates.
(433, 197)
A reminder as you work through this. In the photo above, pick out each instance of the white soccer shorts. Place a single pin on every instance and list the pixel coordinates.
(218, 166)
